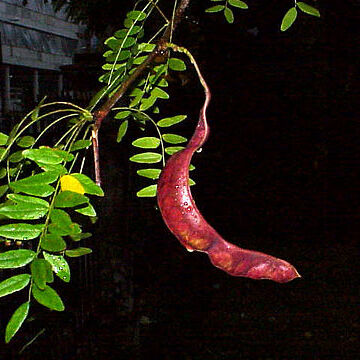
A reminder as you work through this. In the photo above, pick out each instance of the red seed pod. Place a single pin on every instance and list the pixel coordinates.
(185, 221)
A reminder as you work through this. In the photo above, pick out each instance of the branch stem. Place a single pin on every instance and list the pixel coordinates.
(159, 51)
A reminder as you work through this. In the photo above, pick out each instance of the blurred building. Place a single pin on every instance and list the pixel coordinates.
(35, 43)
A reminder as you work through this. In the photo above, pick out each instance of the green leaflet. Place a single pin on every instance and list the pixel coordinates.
(53, 242)
(136, 15)
(87, 211)
(80, 144)
(3, 139)
(114, 66)
(61, 224)
(122, 114)
(41, 273)
(22, 199)
(170, 150)
(160, 93)
(37, 185)
(25, 210)
(3, 189)
(139, 60)
(25, 141)
(16, 157)
(126, 32)
(59, 266)
(3, 153)
(80, 251)
(48, 297)
(146, 142)
(16, 321)
(16, 258)
(115, 44)
(122, 130)
(174, 139)
(149, 191)
(13, 284)
(229, 15)
(177, 64)
(3, 173)
(146, 158)
(70, 199)
(80, 236)
(47, 155)
(288, 19)
(21, 231)
(112, 56)
(215, 8)
(166, 122)
(146, 47)
(238, 3)
(308, 9)
(149, 173)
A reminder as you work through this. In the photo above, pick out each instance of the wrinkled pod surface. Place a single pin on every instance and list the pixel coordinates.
(185, 221)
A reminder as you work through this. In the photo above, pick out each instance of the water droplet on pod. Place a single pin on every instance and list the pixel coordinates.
(185, 203)
(188, 209)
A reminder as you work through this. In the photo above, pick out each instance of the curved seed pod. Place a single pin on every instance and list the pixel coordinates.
(185, 221)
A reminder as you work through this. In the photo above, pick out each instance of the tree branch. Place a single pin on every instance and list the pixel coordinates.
(104, 110)
(159, 50)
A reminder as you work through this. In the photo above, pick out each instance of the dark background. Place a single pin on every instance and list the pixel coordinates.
(279, 174)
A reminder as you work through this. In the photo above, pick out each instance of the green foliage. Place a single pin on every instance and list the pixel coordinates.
(149, 191)
(47, 297)
(15, 283)
(16, 321)
(16, 258)
(307, 9)
(289, 18)
(291, 15)
(80, 251)
(40, 195)
(226, 8)
(43, 188)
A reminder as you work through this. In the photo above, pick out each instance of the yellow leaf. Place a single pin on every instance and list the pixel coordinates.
(70, 183)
